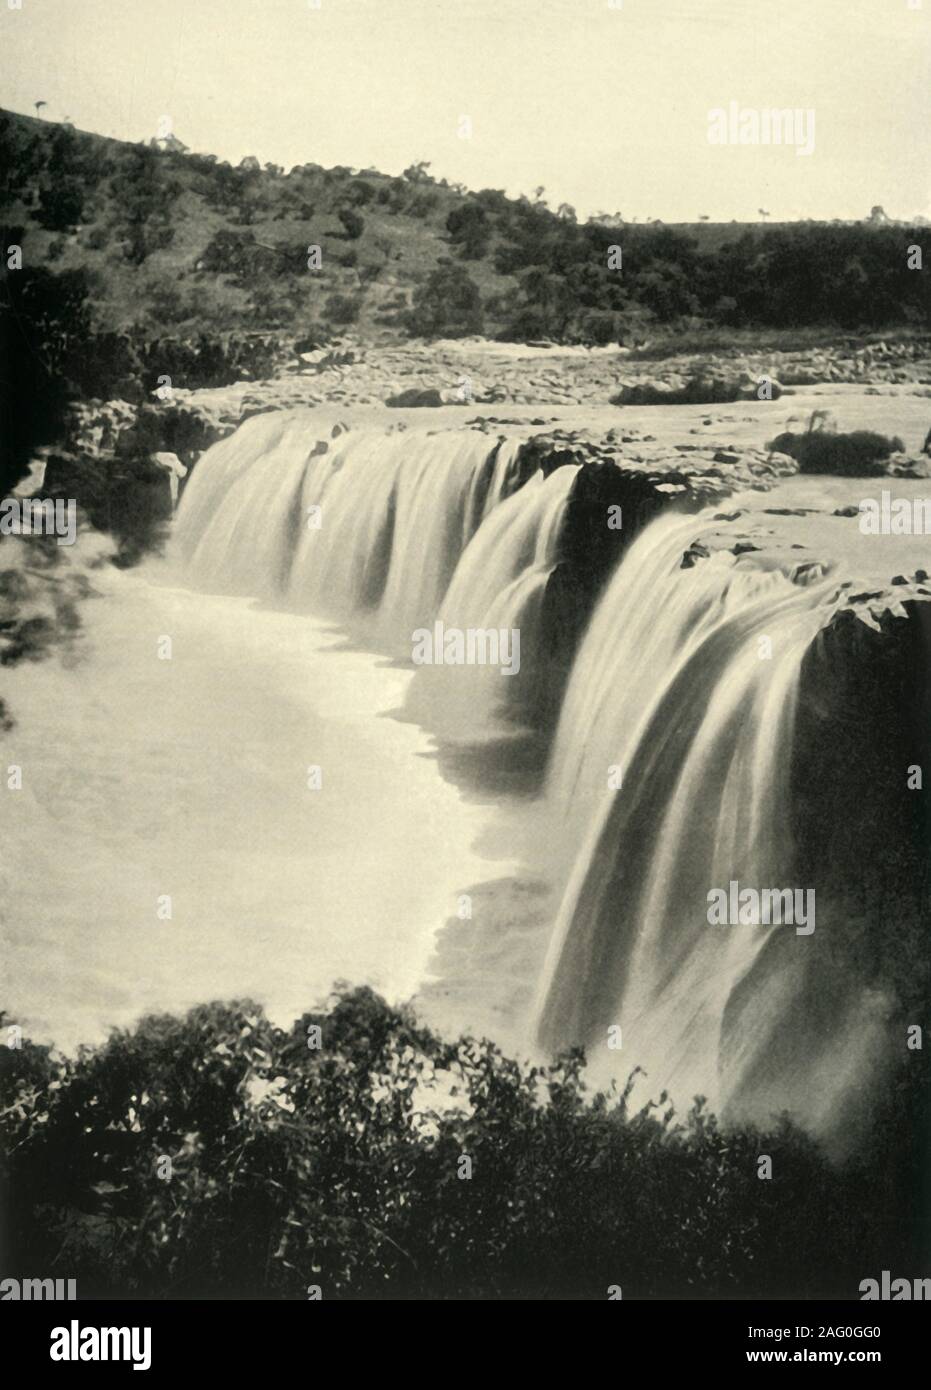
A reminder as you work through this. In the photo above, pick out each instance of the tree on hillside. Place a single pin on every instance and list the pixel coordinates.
(353, 223)
(239, 254)
(61, 203)
(145, 191)
(470, 230)
(359, 193)
(417, 173)
(447, 305)
(543, 305)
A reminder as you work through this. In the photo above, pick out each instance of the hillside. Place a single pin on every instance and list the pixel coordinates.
(126, 265)
(175, 242)
(179, 241)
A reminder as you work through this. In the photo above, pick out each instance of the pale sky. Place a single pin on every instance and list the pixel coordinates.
(605, 106)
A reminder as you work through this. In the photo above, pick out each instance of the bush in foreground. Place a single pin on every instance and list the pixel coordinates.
(218, 1156)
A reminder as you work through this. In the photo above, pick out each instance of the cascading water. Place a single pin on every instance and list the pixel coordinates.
(498, 586)
(367, 527)
(237, 522)
(266, 888)
(670, 770)
(683, 698)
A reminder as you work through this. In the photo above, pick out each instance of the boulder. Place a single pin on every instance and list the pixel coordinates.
(416, 396)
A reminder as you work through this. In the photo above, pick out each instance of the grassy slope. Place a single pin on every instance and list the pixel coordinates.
(141, 221)
(396, 249)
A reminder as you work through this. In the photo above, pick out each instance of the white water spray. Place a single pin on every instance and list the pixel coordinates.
(366, 528)
(684, 694)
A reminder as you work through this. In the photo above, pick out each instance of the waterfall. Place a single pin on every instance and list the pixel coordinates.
(235, 523)
(670, 773)
(498, 584)
(682, 698)
(366, 528)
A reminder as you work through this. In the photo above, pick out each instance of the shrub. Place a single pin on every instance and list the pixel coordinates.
(859, 454)
(421, 204)
(341, 308)
(359, 193)
(341, 1165)
(353, 223)
(61, 202)
(144, 238)
(448, 304)
(237, 254)
(470, 230)
(598, 327)
(699, 389)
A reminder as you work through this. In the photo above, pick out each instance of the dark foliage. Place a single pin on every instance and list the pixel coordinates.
(557, 279)
(851, 277)
(60, 204)
(857, 454)
(447, 305)
(44, 327)
(353, 223)
(238, 254)
(340, 1165)
(341, 309)
(470, 229)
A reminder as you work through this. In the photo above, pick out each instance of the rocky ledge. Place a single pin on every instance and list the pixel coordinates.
(450, 377)
(810, 529)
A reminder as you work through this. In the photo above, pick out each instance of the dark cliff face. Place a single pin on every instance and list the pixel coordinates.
(610, 503)
(862, 837)
(863, 727)
(590, 550)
